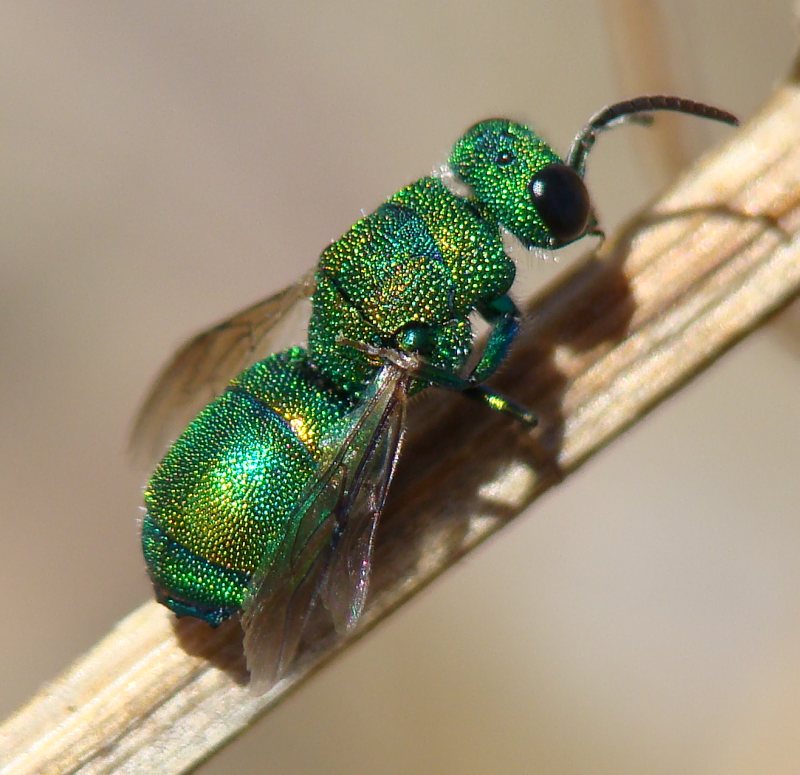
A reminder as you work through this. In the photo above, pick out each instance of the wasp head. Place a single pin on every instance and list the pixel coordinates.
(519, 181)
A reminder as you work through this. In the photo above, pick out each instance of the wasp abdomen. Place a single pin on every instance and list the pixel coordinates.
(219, 502)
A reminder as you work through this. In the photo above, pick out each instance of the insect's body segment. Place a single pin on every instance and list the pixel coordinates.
(218, 503)
(407, 276)
(269, 499)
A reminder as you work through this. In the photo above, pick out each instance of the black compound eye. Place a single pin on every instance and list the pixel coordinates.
(562, 201)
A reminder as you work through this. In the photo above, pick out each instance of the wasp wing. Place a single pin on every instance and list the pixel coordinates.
(200, 369)
(283, 596)
(336, 515)
(347, 580)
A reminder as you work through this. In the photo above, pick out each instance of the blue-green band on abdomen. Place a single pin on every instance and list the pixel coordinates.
(187, 584)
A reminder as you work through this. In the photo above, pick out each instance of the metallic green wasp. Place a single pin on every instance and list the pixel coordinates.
(269, 500)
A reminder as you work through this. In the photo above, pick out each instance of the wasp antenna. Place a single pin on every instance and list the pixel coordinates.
(637, 110)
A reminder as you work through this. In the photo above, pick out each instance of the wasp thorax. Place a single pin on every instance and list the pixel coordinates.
(519, 181)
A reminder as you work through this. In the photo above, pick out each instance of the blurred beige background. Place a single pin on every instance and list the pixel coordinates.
(162, 164)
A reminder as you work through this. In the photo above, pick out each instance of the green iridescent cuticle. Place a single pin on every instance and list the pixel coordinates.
(269, 498)
(497, 159)
(225, 489)
(414, 270)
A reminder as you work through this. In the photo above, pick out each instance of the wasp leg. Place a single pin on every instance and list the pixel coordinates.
(494, 399)
(504, 317)
(467, 386)
(502, 403)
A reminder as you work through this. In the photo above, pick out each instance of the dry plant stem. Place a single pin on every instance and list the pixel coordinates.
(706, 264)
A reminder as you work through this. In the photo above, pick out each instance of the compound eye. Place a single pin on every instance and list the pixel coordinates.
(562, 201)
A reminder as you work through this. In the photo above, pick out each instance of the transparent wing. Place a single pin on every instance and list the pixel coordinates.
(201, 368)
(282, 599)
(347, 580)
(330, 553)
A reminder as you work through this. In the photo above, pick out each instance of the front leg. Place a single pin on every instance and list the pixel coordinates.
(417, 339)
(504, 317)
(490, 397)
